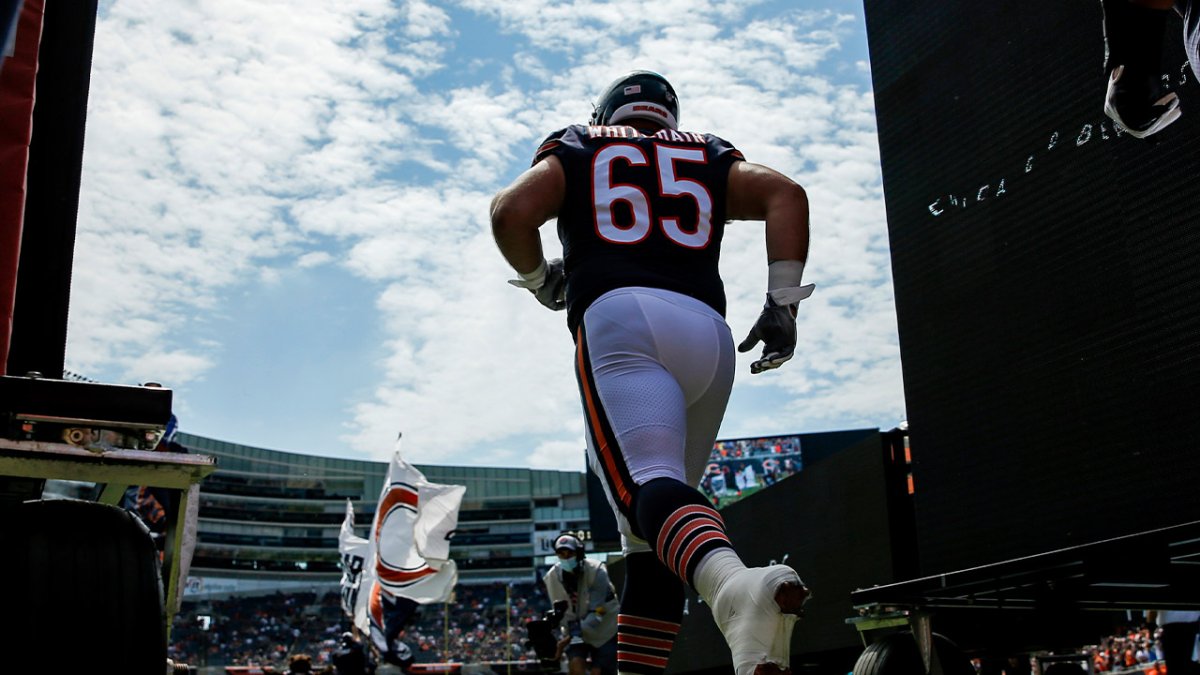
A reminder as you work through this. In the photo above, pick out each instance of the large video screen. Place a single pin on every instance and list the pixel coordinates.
(738, 468)
(1047, 277)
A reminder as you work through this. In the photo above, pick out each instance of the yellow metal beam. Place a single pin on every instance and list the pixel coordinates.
(37, 459)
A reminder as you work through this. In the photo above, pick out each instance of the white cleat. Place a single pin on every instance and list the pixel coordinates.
(756, 609)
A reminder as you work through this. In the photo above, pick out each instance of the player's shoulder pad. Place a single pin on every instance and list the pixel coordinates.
(721, 147)
(568, 135)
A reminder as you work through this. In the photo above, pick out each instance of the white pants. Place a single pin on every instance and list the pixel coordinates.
(655, 369)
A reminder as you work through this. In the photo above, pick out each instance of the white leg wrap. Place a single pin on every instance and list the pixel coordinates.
(745, 610)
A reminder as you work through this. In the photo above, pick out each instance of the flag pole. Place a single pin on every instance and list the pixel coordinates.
(508, 625)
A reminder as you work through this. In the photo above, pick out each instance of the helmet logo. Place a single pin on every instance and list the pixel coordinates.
(650, 109)
(633, 89)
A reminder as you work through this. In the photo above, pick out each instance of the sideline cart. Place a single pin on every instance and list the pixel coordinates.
(1030, 603)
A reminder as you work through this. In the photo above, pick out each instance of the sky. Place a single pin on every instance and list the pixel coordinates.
(284, 214)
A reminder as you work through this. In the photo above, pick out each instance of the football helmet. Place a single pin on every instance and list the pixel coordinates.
(641, 94)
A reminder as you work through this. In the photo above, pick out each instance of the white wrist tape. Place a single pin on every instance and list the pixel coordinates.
(784, 274)
(783, 282)
(532, 280)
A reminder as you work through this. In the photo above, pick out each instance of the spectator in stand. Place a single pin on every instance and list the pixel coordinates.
(299, 664)
(350, 657)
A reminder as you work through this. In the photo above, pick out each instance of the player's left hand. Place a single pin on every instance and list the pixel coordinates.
(776, 329)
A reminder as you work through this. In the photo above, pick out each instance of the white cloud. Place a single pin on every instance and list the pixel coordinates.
(313, 259)
(229, 142)
(557, 454)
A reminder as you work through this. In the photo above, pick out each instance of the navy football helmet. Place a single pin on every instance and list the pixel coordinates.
(641, 94)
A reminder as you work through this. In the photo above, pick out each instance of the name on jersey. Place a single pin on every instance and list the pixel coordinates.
(630, 132)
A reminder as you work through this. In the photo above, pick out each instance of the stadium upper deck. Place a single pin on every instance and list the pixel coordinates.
(270, 518)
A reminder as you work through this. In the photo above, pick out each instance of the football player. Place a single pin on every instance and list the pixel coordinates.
(641, 208)
(1133, 43)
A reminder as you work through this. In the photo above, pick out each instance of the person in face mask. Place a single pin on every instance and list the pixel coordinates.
(586, 606)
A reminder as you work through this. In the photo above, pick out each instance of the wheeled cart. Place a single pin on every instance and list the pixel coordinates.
(1049, 601)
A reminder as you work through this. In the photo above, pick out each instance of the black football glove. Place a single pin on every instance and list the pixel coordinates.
(552, 292)
(776, 329)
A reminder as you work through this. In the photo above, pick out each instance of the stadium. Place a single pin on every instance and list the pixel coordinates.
(267, 546)
(275, 515)
(1035, 514)
(269, 524)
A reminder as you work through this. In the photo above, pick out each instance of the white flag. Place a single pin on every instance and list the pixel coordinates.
(411, 535)
(437, 518)
(356, 571)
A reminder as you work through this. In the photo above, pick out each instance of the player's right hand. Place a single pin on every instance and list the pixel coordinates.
(552, 292)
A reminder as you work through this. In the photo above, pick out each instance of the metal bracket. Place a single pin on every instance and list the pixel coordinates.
(922, 630)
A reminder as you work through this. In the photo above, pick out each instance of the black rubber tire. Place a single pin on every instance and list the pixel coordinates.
(897, 654)
(84, 591)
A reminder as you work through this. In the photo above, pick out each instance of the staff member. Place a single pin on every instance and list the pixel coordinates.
(586, 603)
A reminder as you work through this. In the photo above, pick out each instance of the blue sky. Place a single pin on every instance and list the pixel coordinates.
(283, 214)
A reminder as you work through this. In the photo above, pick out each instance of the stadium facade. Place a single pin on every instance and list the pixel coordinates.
(270, 519)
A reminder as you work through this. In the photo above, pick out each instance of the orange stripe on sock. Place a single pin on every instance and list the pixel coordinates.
(686, 558)
(643, 622)
(682, 538)
(679, 514)
(643, 641)
(644, 659)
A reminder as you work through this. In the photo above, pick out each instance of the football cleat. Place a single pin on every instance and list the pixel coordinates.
(756, 609)
(1139, 104)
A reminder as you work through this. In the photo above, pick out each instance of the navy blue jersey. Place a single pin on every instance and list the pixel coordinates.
(640, 211)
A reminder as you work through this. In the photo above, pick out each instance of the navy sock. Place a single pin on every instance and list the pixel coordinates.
(680, 524)
(651, 611)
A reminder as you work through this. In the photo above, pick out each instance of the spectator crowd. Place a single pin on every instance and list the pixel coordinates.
(1137, 650)
(480, 624)
(1134, 650)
